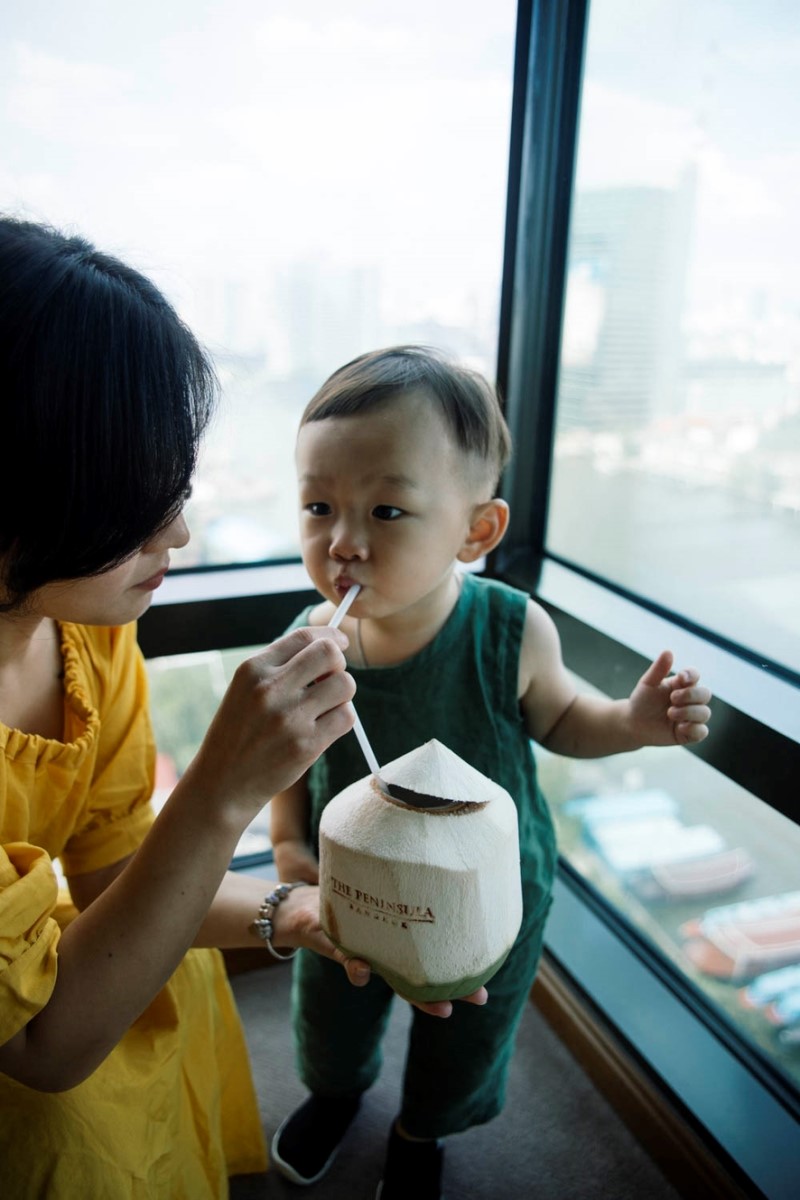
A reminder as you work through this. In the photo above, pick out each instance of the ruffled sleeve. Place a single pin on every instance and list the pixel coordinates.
(116, 812)
(28, 935)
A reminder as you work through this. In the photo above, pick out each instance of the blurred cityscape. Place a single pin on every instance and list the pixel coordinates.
(281, 341)
(677, 454)
(709, 397)
(702, 869)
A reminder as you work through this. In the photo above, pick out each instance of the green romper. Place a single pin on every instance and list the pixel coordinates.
(462, 690)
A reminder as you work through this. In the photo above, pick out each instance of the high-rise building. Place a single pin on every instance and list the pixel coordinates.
(621, 365)
(329, 314)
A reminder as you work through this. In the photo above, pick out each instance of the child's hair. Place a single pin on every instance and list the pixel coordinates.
(105, 395)
(466, 400)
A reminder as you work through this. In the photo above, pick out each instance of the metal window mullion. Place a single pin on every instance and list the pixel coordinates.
(536, 249)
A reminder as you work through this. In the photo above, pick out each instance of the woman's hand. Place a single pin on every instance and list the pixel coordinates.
(271, 726)
(296, 923)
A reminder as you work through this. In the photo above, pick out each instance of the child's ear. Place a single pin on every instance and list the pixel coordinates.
(488, 524)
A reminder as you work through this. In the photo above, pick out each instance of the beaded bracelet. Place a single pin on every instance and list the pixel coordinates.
(263, 922)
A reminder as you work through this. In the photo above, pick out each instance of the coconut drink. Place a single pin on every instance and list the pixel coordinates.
(420, 874)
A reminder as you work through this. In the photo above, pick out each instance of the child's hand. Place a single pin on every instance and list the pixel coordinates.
(667, 710)
(295, 862)
(443, 1008)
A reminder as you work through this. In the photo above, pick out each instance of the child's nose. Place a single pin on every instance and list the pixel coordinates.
(347, 542)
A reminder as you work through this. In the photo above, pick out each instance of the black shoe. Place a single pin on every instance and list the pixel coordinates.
(411, 1169)
(308, 1141)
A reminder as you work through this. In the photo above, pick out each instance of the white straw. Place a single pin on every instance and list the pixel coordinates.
(341, 611)
(369, 755)
(358, 728)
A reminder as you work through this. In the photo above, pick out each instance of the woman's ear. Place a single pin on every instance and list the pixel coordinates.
(488, 524)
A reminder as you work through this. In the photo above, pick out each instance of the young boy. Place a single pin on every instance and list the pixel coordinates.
(398, 458)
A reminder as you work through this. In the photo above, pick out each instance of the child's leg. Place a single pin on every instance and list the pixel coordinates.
(456, 1072)
(456, 1069)
(338, 1028)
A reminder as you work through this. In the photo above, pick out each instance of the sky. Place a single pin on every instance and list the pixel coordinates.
(712, 84)
(200, 138)
(217, 139)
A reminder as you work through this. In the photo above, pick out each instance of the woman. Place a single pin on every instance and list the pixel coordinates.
(124, 1070)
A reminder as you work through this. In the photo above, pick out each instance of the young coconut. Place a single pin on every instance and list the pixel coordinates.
(423, 881)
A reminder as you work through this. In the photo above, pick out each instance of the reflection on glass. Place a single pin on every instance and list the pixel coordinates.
(677, 454)
(703, 870)
(304, 181)
(185, 692)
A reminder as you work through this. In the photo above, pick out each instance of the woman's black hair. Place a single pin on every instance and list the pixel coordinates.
(104, 397)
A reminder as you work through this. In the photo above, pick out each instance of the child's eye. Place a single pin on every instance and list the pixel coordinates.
(387, 512)
(317, 508)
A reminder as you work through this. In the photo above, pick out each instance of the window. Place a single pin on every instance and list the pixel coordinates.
(185, 691)
(675, 468)
(703, 871)
(306, 182)
(651, 383)
(676, 471)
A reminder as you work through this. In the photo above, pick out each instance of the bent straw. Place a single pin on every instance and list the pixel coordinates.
(358, 728)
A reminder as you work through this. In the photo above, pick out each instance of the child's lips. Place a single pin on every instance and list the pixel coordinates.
(344, 583)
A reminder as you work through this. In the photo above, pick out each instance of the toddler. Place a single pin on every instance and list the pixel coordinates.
(398, 458)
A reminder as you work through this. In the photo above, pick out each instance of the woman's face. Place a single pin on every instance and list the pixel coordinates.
(117, 596)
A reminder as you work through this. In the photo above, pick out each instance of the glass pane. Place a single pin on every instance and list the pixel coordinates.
(701, 869)
(305, 181)
(677, 455)
(185, 692)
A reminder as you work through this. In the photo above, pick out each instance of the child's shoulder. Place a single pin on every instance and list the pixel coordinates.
(489, 586)
(540, 655)
(497, 598)
(320, 614)
(315, 614)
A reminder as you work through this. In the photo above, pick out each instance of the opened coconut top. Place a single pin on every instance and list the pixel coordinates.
(433, 777)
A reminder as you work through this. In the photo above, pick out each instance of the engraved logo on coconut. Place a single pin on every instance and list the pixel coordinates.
(393, 912)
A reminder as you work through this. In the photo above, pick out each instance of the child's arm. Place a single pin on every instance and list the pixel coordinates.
(288, 813)
(662, 710)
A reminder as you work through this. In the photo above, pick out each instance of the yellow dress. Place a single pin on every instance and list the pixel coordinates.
(172, 1110)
